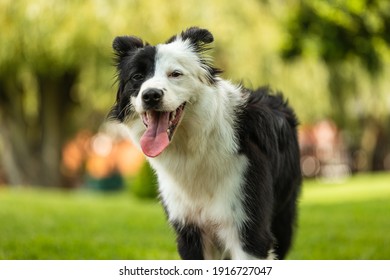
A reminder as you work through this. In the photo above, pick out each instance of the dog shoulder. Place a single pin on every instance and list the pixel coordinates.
(268, 120)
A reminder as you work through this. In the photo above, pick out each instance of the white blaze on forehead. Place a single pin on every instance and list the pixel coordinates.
(178, 55)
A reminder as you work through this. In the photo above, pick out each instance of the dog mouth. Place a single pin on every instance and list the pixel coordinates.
(160, 128)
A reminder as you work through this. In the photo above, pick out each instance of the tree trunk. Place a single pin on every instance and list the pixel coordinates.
(35, 158)
(51, 129)
(19, 163)
(55, 106)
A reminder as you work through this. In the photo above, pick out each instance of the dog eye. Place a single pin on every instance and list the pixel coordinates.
(137, 77)
(175, 74)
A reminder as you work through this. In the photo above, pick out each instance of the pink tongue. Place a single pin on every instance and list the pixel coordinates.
(155, 138)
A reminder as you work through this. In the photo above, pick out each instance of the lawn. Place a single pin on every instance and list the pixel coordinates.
(56, 225)
(349, 220)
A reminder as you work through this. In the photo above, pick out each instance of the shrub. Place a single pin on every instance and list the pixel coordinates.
(145, 183)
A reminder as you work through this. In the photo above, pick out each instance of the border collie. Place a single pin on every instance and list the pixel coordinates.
(226, 157)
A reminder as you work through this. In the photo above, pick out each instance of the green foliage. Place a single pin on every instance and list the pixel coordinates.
(351, 38)
(336, 30)
(48, 37)
(59, 53)
(144, 184)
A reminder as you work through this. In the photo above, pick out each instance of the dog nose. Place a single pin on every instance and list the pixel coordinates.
(151, 97)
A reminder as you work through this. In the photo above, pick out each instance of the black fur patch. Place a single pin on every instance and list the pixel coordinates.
(197, 36)
(123, 45)
(135, 62)
(189, 241)
(267, 133)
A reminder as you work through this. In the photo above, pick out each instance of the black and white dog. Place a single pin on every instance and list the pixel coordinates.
(226, 157)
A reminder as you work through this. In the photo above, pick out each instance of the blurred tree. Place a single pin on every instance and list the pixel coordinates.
(338, 30)
(43, 52)
(353, 38)
(56, 74)
(55, 67)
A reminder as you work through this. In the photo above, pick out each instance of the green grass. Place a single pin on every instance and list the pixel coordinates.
(349, 220)
(56, 225)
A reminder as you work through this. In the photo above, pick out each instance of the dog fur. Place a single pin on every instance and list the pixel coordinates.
(226, 157)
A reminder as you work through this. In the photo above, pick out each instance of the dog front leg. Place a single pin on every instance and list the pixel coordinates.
(189, 241)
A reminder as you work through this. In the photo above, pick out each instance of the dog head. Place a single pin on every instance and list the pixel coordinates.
(158, 83)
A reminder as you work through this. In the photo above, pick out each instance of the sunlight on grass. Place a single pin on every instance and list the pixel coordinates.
(55, 225)
(347, 220)
(361, 188)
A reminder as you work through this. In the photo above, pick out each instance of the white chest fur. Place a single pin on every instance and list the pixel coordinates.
(198, 190)
(205, 191)
(200, 173)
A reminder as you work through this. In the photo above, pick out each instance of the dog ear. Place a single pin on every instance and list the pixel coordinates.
(197, 36)
(123, 45)
(200, 39)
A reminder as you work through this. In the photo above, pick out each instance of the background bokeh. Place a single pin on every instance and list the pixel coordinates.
(331, 59)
